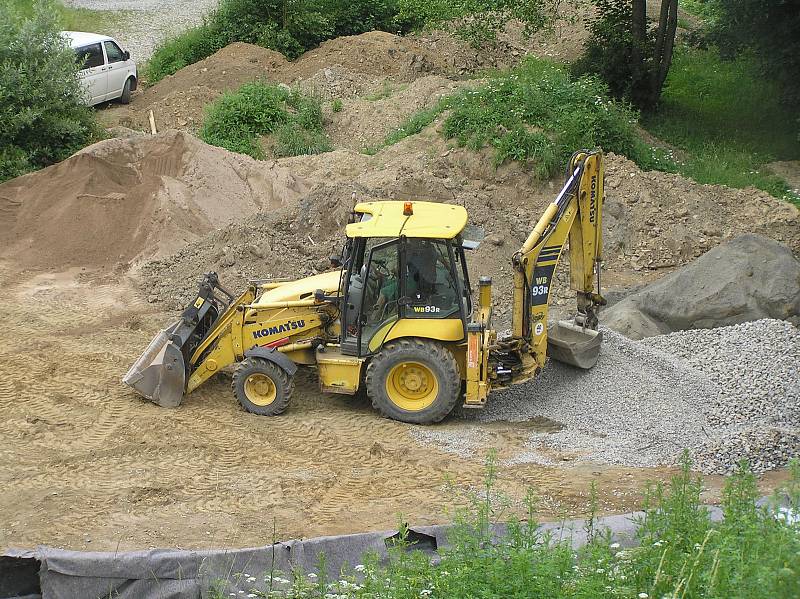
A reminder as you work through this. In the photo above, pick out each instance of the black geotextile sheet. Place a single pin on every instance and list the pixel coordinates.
(183, 574)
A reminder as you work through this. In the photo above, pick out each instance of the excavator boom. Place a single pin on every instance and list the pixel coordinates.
(575, 214)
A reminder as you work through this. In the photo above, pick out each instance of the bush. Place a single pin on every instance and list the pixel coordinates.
(537, 114)
(236, 121)
(41, 100)
(191, 46)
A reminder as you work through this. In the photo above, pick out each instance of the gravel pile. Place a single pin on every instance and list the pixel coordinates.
(725, 394)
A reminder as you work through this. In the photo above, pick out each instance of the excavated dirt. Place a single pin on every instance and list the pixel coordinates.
(654, 221)
(120, 201)
(178, 100)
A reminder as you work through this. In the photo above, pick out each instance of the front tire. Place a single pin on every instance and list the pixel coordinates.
(414, 380)
(125, 98)
(262, 387)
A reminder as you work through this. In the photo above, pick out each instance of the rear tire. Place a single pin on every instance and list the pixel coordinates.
(262, 387)
(125, 98)
(414, 380)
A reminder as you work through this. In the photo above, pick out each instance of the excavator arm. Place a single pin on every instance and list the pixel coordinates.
(574, 215)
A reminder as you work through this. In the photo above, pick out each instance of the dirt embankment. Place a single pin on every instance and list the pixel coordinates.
(122, 201)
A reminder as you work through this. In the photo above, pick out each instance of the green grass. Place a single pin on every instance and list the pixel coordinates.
(237, 120)
(680, 553)
(538, 115)
(75, 19)
(727, 121)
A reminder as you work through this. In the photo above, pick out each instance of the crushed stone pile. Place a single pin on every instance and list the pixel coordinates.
(724, 394)
(122, 201)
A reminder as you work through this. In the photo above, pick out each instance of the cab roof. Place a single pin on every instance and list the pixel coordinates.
(78, 39)
(429, 220)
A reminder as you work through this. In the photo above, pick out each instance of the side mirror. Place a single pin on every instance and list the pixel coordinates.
(126, 55)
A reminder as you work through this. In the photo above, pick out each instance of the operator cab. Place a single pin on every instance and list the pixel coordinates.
(405, 265)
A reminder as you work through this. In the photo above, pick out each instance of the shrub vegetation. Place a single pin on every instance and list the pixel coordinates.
(536, 113)
(237, 120)
(41, 100)
(753, 554)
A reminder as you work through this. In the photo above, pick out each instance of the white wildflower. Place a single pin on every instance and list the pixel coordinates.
(600, 571)
(360, 568)
(643, 595)
(311, 575)
(425, 593)
(614, 546)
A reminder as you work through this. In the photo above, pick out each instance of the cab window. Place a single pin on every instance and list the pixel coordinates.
(113, 52)
(89, 56)
(431, 287)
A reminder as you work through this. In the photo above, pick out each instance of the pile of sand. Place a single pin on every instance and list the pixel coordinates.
(120, 201)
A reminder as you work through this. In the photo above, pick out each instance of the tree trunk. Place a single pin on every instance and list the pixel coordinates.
(662, 54)
(639, 30)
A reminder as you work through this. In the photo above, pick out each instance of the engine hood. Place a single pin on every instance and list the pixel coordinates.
(302, 288)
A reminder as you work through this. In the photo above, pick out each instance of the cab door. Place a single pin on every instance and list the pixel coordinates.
(383, 290)
(117, 69)
(93, 74)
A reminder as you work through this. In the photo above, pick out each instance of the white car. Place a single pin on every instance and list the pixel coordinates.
(108, 72)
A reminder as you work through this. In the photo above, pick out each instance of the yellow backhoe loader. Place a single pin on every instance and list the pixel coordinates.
(396, 316)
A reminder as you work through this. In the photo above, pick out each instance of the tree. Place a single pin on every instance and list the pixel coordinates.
(629, 51)
(41, 99)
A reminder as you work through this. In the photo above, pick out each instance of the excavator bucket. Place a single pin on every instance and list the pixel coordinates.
(573, 344)
(160, 373)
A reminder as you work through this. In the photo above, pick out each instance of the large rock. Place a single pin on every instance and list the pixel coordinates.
(747, 278)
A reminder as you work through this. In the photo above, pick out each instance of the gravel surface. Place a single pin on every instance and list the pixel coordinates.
(725, 394)
(144, 23)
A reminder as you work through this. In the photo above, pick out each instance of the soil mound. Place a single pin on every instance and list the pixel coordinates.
(376, 53)
(177, 101)
(654, 221)
(362, 61)
(123, 200)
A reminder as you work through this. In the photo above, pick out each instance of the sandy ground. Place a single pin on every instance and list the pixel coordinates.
(87, 464)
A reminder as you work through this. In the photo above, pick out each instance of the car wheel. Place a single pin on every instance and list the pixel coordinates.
(125, 98)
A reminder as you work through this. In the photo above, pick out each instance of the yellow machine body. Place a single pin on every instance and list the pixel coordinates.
(275, 325)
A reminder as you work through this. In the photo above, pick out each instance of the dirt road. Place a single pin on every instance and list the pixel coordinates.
(87, 464)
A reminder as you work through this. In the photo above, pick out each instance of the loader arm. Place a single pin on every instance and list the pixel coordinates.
(575, 214)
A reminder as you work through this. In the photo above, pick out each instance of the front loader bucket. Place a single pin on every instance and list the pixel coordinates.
(160, 373)
(572, 344)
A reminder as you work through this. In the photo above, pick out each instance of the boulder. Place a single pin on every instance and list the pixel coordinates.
(748, 278)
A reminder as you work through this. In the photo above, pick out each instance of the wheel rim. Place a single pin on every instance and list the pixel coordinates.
(260, 389)
(412, 386)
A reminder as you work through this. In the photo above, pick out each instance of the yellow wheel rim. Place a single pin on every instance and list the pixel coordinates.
(260, 389)
(412, 386)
